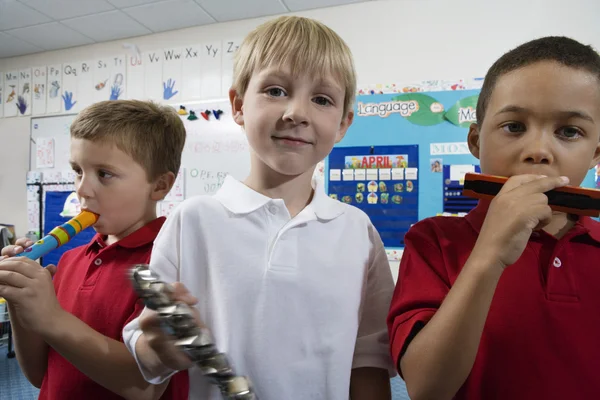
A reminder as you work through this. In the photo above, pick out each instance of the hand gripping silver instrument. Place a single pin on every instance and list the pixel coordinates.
(178, 321)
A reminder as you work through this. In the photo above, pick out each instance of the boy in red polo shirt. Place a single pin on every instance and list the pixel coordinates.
(67, 332)
(503, 304)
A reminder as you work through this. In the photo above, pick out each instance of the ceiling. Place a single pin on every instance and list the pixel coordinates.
(32, 26)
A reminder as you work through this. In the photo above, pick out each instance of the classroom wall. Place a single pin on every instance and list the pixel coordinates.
(392, 41)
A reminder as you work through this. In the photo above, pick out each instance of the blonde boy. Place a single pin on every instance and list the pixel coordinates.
(294, 285)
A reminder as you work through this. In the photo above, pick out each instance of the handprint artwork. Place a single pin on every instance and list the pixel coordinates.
(12, 94)
(115, 90)
(68, 99)
(168, 87)
(54, 89)
(21, 104)
(38, 90)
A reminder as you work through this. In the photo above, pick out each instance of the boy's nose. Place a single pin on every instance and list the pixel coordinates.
(83, 187)
(538, 149)
(296, 113)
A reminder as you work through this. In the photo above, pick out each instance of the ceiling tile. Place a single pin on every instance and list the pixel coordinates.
(228, 10)
(51, 36)
(12, 47)
(94, 26)
(130, 3)
(169, 15)
(63, 9)
(301, 5)
(16, 15)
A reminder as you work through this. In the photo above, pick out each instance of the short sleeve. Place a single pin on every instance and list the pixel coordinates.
(163, 262)
(421, 287)
(372, 343)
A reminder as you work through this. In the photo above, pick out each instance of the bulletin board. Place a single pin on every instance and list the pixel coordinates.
(434, 116)
(436, 122)
(383, 182)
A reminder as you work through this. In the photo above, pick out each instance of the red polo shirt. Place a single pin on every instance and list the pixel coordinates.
(91, 283)
(541, 339)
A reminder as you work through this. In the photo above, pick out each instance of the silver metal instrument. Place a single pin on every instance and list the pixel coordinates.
(178, 321)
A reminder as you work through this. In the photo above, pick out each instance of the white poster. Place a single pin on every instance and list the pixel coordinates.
(118, 78)
(135, 78)
(211, 70)
(191, 74)
(40, 85)
(11, 88)
(167, 207)
(153, 83)
(171, 74)
(44, 153)
(102, 82)
(70, 86)
(24, 94)
(229, 49)
(177, 193)
(85, 84)
(54, 100)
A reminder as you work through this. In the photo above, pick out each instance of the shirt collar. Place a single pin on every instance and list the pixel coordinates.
(584, 225)
(240, 199)
(143, 236)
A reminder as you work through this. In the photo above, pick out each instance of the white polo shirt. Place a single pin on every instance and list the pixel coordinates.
(296, 303)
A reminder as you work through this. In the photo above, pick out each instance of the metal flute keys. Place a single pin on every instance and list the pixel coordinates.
(196, 342)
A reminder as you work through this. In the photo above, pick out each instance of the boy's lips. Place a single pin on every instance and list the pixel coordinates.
(292, 140)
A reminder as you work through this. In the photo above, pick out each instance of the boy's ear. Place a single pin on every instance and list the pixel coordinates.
(473, 140)
(237, 107)
(344, 125)
(596, 159)
(162, 186)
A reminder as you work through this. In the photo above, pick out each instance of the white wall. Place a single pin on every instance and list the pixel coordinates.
(392, 41)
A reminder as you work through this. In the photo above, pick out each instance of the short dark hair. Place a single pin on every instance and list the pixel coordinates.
(560, 49)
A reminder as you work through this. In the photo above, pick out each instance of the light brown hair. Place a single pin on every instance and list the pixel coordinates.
(303, 44)
(153, 135)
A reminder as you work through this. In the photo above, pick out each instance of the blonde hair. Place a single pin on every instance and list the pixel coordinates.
(153, 135)
(306, 45)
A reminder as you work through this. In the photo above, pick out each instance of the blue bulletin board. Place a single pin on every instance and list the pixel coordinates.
(383, 182)
(436, 122)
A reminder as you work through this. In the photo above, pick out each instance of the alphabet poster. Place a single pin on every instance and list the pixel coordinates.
(40, 85)
(153, 75)
(171, 74)
(54, 99)
(211, 56)
(11, 89)
(229, 48)
(135, 77)
(24, 94)
(191, 72)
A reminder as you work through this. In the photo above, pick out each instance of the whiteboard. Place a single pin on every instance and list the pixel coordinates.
(214, 148)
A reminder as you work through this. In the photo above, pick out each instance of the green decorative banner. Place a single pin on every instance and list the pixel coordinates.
(422, 109)
(429, 110)
(463, 112)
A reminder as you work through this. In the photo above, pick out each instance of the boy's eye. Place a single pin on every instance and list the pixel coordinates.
(514, 127)
(105, 174)
(569, 132)
(275, 92)
(322, 101)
